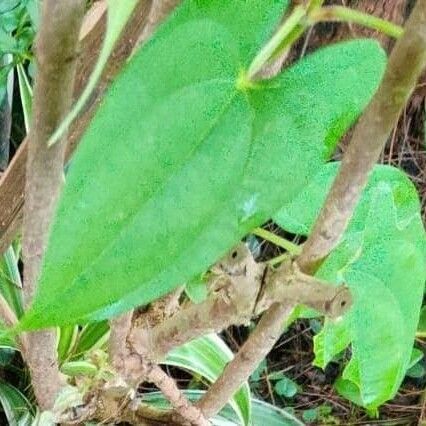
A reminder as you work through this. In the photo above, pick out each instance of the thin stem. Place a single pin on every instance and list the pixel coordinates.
(279, 259)
(346, 14)
(314, 4)
(292, 248)
(277, 42)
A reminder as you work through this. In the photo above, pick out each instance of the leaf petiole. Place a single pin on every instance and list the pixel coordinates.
(277, 42)
(292, 248)
(346, 14)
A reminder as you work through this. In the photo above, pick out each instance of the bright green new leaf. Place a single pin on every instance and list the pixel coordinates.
(382, 259)
(207, 356)
(184, 157)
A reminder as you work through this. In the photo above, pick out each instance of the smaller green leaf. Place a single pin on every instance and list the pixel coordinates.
(208, 356)
(66, 341)
(26, 94)
(320, 415)
(416, 371)
(416, 356)
(92, 336)
(79, 368)
(333, 339)
(421, 328)
(311, 415)
(349, 390)
(299, 215)
(15, 405)
(382, 259)
(10, 282)
(286, 388)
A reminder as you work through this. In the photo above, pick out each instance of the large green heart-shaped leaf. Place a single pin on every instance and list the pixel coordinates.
(184, 157)
(382, 259)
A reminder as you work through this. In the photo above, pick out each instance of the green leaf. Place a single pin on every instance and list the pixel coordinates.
(299, 216)
(178, 163)
(16, 407)
(382, 259)
(10, 282)
(66, 341)
(416, 356)
(310, 415)
(333, 339)
(92, 336)
(421, 328)
(26, 94)
(207, 356)
(16, 31)
(286, 388)
(417, 371)
(79, 368)
(320, 415)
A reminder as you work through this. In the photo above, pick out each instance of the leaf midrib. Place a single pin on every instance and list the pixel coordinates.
(127, 223)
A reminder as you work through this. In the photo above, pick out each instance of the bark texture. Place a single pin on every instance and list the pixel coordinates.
(56, 54)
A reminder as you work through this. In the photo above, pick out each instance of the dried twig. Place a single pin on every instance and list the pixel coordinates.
(56, 61)
(405, 65)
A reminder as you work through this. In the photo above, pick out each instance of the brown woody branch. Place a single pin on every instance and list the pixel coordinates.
(238, 294)
(250, 355)
(56, 55)
(406, 63)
